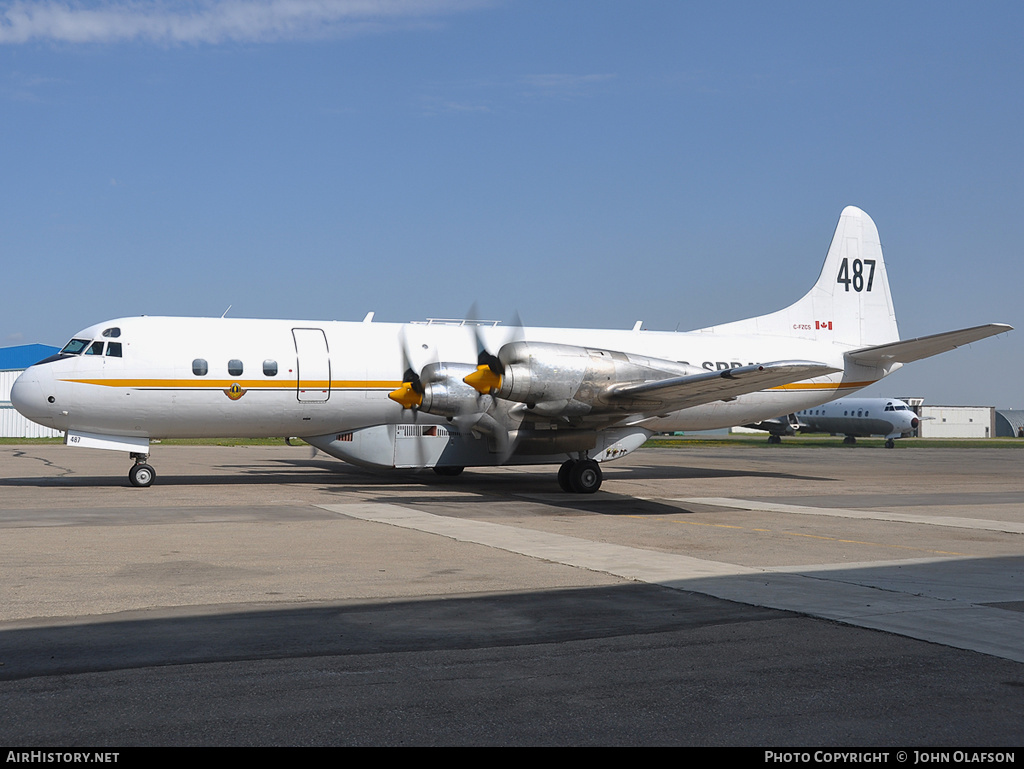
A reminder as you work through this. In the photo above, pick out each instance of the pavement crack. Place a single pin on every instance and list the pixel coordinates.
(63, 471)
(880, 588)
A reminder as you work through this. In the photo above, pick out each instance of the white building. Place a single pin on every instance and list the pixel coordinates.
(957, 422)
(14, 360)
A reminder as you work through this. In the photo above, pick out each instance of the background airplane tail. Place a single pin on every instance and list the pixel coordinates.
(849, 304)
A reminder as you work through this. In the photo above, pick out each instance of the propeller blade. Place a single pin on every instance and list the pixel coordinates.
(487, 378)
(410, 394)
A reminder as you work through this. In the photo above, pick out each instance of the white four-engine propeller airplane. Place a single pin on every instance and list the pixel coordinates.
(454, 395)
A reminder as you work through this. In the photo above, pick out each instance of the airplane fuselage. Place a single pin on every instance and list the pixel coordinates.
(860, 417)
(227, 377)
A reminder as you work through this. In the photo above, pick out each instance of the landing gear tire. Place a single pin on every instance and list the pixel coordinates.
(142, 475)
(563, 475)
(890, 443)
(849, 440)
(449, 471)
(585, 477)
(773, 439)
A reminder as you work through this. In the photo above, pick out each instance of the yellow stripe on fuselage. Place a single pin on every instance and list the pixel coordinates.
(249, 384)
(368, 384)
(824, 386)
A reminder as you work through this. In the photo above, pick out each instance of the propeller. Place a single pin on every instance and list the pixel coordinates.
(410, 394)
(487, 381)
(487, 378)
(465, 399)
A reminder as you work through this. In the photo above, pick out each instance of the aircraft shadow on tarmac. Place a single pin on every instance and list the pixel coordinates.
(546, 501)
(543, 473)
(312, 472)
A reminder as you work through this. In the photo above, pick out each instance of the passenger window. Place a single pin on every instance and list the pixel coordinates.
(270, 368)
(96, 348)
(235, 367)
(199, 367)
(114, 350)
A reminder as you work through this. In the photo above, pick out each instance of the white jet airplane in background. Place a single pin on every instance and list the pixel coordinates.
(449, 396)
(890, 418)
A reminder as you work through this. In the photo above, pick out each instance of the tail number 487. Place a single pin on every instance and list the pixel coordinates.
(855, 277)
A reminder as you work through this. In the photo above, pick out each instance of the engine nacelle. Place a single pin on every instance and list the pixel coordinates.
(566, 380)
(444, 392)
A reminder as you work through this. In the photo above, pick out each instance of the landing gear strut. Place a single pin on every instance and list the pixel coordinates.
(580, 476)
(141, 474)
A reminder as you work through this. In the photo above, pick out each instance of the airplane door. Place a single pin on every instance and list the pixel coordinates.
(313, 365)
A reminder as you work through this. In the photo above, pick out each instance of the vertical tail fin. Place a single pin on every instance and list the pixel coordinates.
(850, 303)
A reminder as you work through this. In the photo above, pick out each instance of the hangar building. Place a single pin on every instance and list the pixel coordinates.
(14, 360)
(1009, 423)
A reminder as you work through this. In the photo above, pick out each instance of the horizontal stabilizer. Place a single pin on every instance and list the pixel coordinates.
(685, 391)
(910, 350)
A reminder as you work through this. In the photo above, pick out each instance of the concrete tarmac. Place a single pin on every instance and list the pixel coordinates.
(772, 596)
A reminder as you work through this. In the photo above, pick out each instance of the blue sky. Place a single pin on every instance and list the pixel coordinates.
(580, 163)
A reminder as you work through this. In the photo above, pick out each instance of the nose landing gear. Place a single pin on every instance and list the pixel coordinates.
(141, 474)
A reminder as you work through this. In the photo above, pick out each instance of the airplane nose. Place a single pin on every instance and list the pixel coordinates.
(32, 398)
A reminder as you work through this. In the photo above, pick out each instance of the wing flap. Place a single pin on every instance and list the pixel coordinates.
(909, 350)
(685, 391)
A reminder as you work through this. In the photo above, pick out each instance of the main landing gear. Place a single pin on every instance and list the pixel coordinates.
(580, 476)
(141, 474)
(448, 471)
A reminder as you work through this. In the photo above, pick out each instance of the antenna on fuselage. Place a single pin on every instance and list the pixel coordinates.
(226, 311)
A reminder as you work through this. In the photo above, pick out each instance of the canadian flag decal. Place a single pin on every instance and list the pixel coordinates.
(820, 324)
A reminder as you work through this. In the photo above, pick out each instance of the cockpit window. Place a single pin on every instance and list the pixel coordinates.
(114, 350)
(75, 346)
(96, 348)
(113, 332)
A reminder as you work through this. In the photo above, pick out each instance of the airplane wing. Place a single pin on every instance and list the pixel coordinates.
(683, 392)
(910, 350)
(784, 425)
